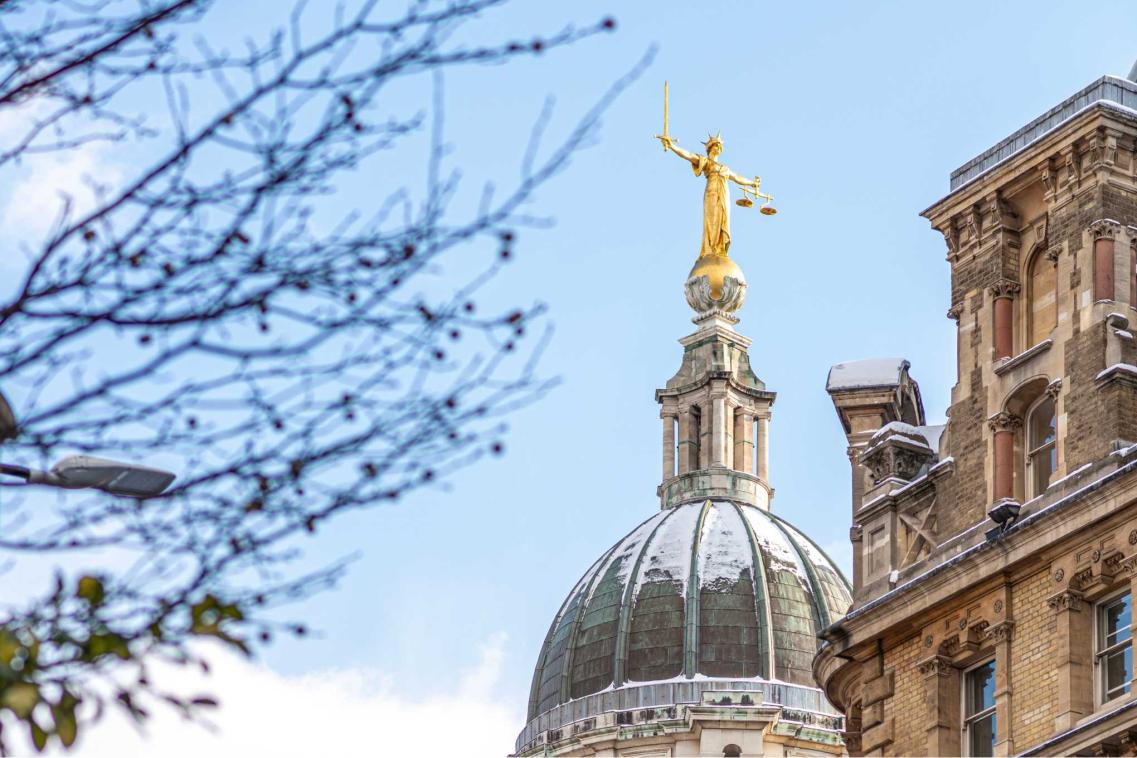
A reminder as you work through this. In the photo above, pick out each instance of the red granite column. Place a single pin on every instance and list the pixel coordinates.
(1004, 326)
(1004, 426)
(1104, 233)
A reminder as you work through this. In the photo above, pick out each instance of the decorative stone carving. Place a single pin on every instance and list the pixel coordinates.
(937, 665)
(1073, 161)
(1005, 288)
(1053, 389)
(1068, 600)
(856, 533)
(1104, 228)
(699, 297)
(1049, 173)
(1003, 421)
(1001, 632)
(951, 237)
(896, 450)
(954, 311)
(974, 224)
(1053, 253)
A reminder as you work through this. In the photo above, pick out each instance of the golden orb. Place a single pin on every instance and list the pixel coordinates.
(716, 268)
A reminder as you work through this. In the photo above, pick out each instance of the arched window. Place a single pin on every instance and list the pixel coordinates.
(1042, 298)
(1042, 453)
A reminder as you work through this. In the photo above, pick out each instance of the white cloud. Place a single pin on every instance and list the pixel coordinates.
(333, 713)
(52, 182)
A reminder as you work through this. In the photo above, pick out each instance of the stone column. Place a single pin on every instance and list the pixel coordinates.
(705, 436)
(1000, 633)
(1004, 290)
(668, 445)
(1004, 426)
(718, 431)
(1073, 641)
(743, 441)
(941, 702)
(1104, 232)
(728, 430)
(762, 446)
(688, 447)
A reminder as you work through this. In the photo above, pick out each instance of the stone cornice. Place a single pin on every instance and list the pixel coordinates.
(710, 377)
(1098, 501)
(1032, 160)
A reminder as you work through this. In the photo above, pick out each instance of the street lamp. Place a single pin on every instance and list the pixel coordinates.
(86, 471)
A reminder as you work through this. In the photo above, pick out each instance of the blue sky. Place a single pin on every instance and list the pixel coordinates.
(854, 115)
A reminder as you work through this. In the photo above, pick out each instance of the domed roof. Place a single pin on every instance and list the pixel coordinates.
(714, 589)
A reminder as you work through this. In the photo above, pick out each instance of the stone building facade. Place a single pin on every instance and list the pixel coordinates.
(994, 558)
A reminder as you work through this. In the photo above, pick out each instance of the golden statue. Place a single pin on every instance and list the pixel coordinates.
(716, 286)
(716, 196)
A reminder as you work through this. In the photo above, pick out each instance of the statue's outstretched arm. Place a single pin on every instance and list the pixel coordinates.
(743, 181)
(685, 155)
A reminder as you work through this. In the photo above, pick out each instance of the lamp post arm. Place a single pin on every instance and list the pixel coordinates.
(21, 471)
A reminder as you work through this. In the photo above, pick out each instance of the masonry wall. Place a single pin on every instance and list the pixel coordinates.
(963, 499)
(905, 708)
(1033, 678)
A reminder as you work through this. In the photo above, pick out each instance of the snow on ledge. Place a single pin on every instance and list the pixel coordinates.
(1117, 368)
(871, 372)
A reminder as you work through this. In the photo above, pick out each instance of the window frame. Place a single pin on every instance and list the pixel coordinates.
(1038, 257)
(969, 719)
(1032, 453)
(1101, 653)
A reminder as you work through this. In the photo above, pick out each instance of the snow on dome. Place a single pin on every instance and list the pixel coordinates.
(871, 372)
(705, 589)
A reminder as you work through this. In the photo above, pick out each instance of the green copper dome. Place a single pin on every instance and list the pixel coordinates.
(702, 590)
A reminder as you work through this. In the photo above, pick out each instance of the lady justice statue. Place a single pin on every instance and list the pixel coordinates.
(713, 262)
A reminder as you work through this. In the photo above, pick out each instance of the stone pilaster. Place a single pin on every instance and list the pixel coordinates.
(1073, 639)
(1001, 634)
(942, 703)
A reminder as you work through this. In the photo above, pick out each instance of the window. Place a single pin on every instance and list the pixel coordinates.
(979, 709)
(1042, 298)
(1042, 455)
(1114, 647)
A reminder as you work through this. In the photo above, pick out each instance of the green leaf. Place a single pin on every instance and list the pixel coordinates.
(21, 698)
(99, 645)
(91, 589)
(9, 647)
(66, 726)
(39, 736)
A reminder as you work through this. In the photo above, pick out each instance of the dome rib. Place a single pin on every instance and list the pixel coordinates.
(761, 599)
(691, 602)
(625, 625)
(584, 586)
(819, 609)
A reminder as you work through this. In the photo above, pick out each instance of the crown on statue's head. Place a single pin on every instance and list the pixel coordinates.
(713, 139)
